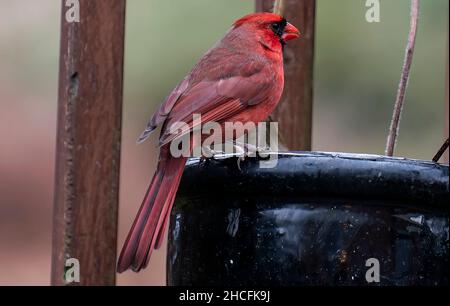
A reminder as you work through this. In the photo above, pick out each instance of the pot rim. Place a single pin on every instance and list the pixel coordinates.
(320, 174)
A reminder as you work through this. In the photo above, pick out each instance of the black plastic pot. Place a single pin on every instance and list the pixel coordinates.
(314, 219)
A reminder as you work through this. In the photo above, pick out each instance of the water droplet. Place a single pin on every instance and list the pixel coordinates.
(281, 231)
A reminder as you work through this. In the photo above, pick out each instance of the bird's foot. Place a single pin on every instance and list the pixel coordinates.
(244, 150)
(208, 154)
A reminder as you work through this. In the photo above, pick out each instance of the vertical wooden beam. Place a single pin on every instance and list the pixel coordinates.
(88, 141)
(294, 113)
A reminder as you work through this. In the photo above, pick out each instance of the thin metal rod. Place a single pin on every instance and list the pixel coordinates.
(446, 131)
(441, 151)
(398, 106)
(278, 7)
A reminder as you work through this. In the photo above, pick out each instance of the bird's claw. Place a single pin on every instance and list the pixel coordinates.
(240, 159)
(244, 150)
(208, 154)
(263, 153)
(241, 150)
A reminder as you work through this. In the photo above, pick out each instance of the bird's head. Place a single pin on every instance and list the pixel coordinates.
(272, 30)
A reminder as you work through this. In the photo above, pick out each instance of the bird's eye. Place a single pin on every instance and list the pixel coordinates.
(278, 28)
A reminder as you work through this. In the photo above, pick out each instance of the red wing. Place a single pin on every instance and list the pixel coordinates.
(164, 109)
(217, 114)
(216, 101)
(223, 83)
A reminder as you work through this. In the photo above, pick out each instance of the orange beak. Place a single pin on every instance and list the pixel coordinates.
(290, 32)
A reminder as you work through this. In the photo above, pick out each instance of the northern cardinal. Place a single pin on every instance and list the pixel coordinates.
(240, 79)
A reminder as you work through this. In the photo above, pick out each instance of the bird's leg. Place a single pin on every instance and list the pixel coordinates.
(244, 150)
(251, 150)
(240, 153)
(209, 153)
(260, 152)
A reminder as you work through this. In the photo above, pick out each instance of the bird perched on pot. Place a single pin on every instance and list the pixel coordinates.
(240, 79)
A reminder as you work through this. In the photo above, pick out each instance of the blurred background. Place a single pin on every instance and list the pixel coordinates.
(356, 77)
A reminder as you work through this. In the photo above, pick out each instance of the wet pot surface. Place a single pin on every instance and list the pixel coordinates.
(313, 219)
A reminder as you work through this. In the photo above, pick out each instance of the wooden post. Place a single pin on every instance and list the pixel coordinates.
(88, 140)
(294, 112)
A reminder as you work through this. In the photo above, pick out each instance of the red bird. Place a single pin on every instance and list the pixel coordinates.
(240, 79)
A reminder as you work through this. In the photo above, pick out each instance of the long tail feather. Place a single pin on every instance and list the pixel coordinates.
(148, 228)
